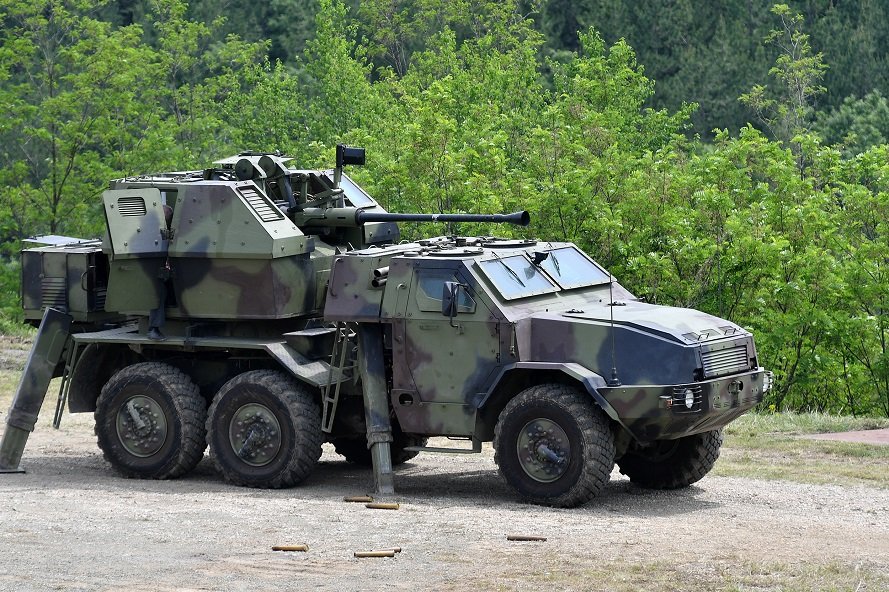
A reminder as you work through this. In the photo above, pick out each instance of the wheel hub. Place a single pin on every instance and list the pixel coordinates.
(255, 434)
(141, 426)
(543, 450)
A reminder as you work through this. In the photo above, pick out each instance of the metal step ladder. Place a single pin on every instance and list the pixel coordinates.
(342, 364)
(72, 358)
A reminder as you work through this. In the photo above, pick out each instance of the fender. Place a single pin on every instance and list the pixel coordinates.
(590, 380)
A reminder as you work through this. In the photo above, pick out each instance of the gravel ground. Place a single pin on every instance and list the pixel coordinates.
(69, 523)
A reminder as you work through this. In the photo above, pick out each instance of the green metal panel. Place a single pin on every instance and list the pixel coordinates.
(134, 286)
(135, 219)
(227, 220)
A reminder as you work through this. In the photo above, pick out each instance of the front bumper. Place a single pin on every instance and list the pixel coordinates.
(667, 412)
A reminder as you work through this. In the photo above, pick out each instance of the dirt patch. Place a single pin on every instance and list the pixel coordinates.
(862, 436)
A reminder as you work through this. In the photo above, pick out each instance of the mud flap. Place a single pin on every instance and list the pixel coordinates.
(376, 405)
(48, 347)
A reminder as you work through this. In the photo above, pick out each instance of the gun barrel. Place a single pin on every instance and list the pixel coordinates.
(519, 218)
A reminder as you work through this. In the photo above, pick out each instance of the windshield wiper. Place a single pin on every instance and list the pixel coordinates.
(511, 272)
(552, 255)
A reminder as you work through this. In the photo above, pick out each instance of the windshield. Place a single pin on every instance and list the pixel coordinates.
(516, 277)
(572, 269)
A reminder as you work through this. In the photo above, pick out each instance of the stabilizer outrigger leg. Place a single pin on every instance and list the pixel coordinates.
(376, 405)
(39, 370)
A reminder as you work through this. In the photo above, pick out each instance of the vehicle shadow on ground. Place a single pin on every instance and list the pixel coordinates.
(414, 482)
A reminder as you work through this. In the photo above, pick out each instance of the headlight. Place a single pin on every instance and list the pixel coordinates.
(768, 381)
(689, 398)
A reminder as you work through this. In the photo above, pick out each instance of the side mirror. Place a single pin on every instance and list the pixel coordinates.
(450, 296)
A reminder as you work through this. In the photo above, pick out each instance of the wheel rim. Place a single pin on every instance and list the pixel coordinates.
(255, 434)
(543, 450)
(141, 426)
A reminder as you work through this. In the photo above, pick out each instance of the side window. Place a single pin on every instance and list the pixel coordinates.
(430, 283)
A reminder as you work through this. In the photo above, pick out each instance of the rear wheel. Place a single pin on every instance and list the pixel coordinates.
(671, 464)
(264, 430)
(150, 421)
(554, 446)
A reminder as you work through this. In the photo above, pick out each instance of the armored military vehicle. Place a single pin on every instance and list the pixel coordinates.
(261, 310)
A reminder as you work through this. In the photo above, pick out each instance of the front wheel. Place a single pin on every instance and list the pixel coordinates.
(671, 464)
(554, 446)
(264, 430)
(150, 421)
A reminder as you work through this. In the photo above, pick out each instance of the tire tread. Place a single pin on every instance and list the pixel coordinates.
(695, 458)
(303, 409)
(190, 406)
(599, 448)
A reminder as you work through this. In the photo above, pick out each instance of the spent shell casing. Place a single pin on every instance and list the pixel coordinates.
(302, 547)
(382, 506)
(358, 498)
(389, 553)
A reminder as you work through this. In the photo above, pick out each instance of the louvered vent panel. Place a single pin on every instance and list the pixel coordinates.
(100, 298)
(53, 292)
(266, 211)
(131, 206)
(726, 361)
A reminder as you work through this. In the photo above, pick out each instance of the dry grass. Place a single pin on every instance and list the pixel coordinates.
(769, 446)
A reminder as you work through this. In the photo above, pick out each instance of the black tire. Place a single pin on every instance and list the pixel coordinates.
(671, 464)
(572, 428)
(355, 449)
(264, 430)
(150, 422)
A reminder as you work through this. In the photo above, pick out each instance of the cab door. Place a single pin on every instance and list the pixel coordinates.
(441, 366)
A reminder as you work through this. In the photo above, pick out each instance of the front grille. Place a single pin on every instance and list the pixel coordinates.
(53, 292)
(721, 362)
(263, 208)
(678, 403)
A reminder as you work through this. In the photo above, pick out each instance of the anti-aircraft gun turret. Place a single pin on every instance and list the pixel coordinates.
(293, 314)
(234, 260)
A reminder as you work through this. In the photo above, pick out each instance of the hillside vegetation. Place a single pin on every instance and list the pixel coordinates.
(779, 224)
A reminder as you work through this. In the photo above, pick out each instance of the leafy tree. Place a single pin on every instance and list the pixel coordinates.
(858, 124)
(863, 193)
(786, 109)
(67, 102)
(338, 77)
(197, 74)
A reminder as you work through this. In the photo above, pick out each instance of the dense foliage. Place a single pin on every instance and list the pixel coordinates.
(779, 225)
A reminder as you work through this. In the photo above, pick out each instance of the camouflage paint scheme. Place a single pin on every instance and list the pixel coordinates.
(261, 265)
(443, 375)
(228, 258)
